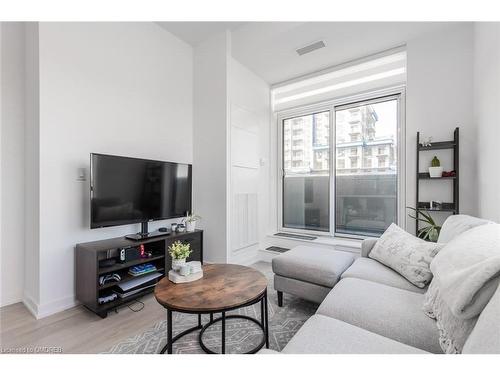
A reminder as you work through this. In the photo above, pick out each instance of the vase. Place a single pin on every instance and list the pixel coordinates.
(190, 226)
(178, 263)
(435, 172)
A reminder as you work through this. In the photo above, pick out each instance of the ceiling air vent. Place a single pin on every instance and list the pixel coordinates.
(311, 47)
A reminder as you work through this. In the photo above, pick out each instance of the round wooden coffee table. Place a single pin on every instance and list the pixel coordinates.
(224, 287)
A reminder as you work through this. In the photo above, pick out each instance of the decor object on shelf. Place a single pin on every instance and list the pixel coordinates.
(449, 174)
(435, 170)
(435, 205)
(184, 270)
(190, 221)
(429, 232)
(188, 272)
(179, 252)
(181, 228)
(427, 143)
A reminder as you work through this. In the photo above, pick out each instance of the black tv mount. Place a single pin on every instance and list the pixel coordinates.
(145, 233)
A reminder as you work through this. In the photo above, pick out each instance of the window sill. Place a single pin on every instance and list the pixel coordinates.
(345, 244)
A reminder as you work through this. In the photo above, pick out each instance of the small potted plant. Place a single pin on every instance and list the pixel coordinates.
(435, 170)
(190, 221)
(179, 252)
(431, 231)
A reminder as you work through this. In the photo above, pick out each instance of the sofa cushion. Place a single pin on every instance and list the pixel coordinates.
(406, 254)
(457, 224)
(383, 309)
(313, 264)
(485, 337)
(371, 270)
(323, 335)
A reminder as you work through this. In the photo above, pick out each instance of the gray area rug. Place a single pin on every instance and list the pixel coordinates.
(241, 335)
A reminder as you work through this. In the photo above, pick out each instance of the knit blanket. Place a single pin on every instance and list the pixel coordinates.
(466, 274)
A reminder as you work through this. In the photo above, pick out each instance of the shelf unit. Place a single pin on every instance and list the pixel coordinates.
(90, 254)
(450, 207)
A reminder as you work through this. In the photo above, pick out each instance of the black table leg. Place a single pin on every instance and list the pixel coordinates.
(211, 317)
(199, 320)
(223, 332)
(169, 331)
(262, 314)
(266, 320)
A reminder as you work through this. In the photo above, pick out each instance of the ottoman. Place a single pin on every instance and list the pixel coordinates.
(309, 272)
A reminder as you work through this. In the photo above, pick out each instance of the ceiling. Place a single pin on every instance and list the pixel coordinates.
(195, 32)
(268, 48)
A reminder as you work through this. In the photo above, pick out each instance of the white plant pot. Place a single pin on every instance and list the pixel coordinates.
(435, 172)
(177, 263)
(190, 226)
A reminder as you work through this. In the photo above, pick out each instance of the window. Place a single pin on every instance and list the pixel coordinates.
(358, 194)
(306, 184)
(365, 198)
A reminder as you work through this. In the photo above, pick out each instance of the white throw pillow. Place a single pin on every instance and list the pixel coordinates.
(406, 254)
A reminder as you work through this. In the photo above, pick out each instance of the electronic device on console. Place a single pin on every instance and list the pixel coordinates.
(130, 253)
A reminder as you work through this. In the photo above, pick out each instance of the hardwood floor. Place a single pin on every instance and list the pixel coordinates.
(76, 330)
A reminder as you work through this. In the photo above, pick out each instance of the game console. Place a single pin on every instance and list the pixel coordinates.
(128, 254)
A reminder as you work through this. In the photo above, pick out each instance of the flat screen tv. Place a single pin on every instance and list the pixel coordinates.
(127, 190)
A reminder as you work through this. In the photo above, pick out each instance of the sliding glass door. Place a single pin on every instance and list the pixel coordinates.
(340, 168)
(366, 182)
(306, 172)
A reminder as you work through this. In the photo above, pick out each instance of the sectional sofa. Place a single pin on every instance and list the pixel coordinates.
(367, 307)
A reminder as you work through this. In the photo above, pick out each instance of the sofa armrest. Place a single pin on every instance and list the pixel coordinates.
(367, 246)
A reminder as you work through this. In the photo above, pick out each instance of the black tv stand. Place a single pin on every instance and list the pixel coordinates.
(98, 258)
(144, 234)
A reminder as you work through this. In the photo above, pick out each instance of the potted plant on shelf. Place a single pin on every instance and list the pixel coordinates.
(190, 221)
(430, 232)
(435, 170)
(179, 252)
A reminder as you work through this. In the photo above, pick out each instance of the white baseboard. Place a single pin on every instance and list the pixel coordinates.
(246, 256)
(31, 305)
(40, 311)
(10, 299)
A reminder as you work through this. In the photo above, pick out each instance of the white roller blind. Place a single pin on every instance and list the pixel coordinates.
(369, 74)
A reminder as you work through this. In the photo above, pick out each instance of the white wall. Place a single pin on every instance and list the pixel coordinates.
(31, 297)
(439, 98)
(486, 104)
(249, 158)
(12, 163)
(117, 88)
(210, 150)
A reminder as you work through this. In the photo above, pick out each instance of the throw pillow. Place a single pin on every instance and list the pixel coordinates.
(406, 254)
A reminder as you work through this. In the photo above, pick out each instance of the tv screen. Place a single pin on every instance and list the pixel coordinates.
(128, 190)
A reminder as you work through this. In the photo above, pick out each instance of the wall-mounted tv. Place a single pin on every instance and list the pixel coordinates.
(126, 190)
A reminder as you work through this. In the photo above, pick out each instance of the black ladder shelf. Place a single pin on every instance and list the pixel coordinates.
(451, 207)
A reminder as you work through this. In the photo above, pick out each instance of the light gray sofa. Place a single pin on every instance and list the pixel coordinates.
(372, 309)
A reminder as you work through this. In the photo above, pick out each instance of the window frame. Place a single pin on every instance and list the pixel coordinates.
(373, 96)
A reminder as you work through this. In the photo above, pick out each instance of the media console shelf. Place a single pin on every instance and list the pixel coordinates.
(90, 254)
